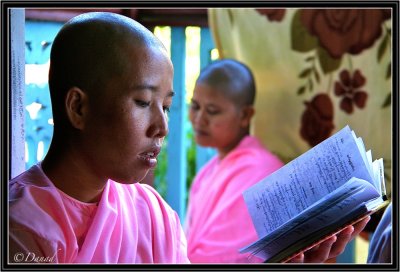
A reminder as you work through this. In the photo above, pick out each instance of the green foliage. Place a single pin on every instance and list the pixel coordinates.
(389, 71)
(308, 73)
(383, 47)
(328, 64)
(301, 89)
(191, 157)
(302, 41)
(388, 100)
(160, 173)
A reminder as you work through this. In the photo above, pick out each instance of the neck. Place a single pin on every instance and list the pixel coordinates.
(70, 174)
(224, 151)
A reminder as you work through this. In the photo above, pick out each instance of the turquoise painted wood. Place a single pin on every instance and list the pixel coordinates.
(176, 145)
(37, 128)
(38, 39)
(204, 154)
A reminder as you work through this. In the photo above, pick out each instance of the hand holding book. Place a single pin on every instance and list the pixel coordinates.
(331, 186)
(332, 247)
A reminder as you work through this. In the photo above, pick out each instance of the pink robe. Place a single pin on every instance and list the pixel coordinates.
(218, 223)
(130, 224)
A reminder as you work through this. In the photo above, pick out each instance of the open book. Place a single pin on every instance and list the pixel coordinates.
(314, 196)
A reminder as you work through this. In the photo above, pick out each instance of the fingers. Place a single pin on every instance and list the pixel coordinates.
(346, 235)
(360, 226)
(331, 247)
(343, 238)
(299, 258)
(320, 253)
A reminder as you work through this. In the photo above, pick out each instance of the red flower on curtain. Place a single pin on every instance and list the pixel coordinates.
(342, 31)
(317, 119)
(273, 14)
(348, 87)
(328, 36)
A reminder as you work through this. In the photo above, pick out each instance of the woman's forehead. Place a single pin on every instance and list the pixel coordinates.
(214, 95)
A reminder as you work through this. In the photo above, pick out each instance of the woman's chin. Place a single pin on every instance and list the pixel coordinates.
(203, 141)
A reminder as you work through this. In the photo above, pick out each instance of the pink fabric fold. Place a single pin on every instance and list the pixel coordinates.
(218, 223)
(130, 224)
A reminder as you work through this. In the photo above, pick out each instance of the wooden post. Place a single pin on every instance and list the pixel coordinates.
(176, 145)
(204, 154)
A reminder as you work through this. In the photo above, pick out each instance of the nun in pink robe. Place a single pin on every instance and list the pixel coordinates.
(110, 84)
(218, 223)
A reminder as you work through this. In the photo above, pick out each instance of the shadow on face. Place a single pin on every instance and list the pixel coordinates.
(111, 86)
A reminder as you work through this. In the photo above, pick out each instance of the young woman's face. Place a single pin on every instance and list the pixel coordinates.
(127, 124)
(216, 120)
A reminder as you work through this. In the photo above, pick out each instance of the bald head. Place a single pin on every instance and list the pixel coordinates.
(232, 78)
(90, 49)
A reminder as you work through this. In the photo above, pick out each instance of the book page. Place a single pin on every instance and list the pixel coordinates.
(369, 158)
(303, 181)
(379, 173)
(349, 201)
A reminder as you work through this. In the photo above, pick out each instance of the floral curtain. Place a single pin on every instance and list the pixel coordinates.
(316, 71)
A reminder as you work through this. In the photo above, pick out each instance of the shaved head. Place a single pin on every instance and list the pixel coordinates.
(232, 78)
(111, 87)
(89, 50)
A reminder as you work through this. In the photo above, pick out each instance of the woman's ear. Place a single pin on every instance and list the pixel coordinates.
(247, 114)
(76, 107)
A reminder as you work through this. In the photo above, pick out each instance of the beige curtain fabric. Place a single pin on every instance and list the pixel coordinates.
(316, 71)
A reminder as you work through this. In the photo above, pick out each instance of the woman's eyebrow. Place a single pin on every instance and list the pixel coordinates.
(151, 88)
(208, 105)
(211, 105)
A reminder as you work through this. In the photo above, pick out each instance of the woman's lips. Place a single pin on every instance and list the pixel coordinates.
(149, 158)
(200, 132)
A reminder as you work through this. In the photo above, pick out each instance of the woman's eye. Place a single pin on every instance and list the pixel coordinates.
(212, 112)
(166, 109)
(142, 103)
(194, 106)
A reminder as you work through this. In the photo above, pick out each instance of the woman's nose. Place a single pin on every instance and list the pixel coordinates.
(200, 117)
(196, 116)
(159, 127)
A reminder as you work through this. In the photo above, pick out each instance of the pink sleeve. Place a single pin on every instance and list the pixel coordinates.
(27, 247)
(228, 226)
